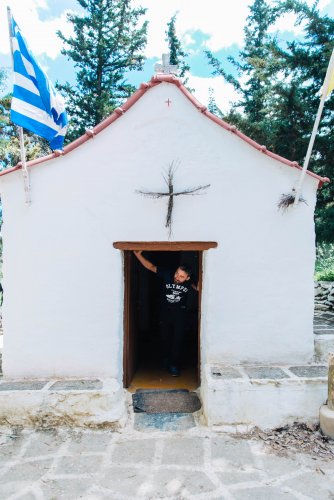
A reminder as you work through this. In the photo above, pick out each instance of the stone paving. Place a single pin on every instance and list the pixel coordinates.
(323, 323)
(194, 464)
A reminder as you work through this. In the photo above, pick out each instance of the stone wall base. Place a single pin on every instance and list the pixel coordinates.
(324, 296)
(48, 403)
(242, 397)
(233, 398)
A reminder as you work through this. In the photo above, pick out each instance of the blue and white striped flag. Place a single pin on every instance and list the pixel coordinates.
(36, 105)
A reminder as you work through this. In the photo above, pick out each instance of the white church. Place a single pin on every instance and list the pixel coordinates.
(79, 307)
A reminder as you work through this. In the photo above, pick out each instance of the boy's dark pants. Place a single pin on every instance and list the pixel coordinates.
(173, 322)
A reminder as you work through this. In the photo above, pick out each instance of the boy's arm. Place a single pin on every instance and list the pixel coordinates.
(146, 263)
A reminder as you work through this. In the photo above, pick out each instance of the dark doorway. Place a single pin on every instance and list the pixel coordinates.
(143, 356)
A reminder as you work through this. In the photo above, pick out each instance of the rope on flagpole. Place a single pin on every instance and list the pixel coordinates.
(25, 172)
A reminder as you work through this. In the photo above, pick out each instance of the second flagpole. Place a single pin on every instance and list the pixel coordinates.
(324, 94)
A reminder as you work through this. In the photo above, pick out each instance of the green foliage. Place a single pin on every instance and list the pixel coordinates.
(3, 78)
(108, 42)
(10, 154)
(324, 267)
(324, 220)
(307, 62)
(255, 65)
(212, 105)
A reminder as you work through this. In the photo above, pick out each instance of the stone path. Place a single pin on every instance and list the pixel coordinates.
(323, 322)
(194, 464)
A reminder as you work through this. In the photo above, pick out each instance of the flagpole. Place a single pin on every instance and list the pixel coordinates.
(309, 151)
(25, 172)
(324, 94)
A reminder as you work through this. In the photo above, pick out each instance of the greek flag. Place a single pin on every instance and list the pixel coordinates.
(36, 106)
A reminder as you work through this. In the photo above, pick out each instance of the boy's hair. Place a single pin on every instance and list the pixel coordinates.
(187, 269)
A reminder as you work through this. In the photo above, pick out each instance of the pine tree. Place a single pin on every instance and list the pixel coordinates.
(307, 61)
(212, 105)
(255, 65)
(176, 53)
(280, 97)
(4, 119)
(108, 42)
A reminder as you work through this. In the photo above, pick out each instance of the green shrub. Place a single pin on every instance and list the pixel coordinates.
(324, 276)
(324, 223)
(324, 265)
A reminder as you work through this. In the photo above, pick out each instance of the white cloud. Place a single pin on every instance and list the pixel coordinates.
(323, 3)
(223, 92)
(222, 21)
(224, 26)
(40, 35)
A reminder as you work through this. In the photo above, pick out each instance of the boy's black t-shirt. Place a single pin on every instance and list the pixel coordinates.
(172, 295)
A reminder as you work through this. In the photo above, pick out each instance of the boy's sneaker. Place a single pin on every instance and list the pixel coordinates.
(175, 372)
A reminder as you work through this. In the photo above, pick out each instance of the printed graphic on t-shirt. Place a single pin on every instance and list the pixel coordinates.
(171, 293)
(175, 293)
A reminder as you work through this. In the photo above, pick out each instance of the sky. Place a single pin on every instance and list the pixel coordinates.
(215, 28)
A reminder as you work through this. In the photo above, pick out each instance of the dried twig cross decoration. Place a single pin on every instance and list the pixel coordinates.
(169, 179)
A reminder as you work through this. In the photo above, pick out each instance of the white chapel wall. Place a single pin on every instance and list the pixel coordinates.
(63, 280)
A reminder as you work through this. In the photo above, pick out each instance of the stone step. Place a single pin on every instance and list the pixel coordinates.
(73, 402)
(258, 372)
(163, 421)
(263, 396)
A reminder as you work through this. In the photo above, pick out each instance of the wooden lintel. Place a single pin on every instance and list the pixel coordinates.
(164, 246)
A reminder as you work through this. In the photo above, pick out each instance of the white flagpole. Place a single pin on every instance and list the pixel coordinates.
(25, 172)
(324, 92)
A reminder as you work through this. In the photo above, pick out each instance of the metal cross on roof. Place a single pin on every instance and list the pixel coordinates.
(166, 68)
(169, 179)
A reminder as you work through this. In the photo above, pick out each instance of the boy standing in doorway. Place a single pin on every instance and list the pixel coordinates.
(173, 314)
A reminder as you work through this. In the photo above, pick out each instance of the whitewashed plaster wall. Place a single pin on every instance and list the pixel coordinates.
(63, 280)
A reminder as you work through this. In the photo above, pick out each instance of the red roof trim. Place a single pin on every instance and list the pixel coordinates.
(156, 80)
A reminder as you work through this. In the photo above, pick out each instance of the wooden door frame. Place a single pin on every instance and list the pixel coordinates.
(162, 246)
(126, 319)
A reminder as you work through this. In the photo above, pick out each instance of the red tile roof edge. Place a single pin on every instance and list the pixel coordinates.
(156, 80)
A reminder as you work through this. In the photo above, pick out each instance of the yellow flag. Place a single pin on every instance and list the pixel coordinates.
(331, 83)
(329, 80)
